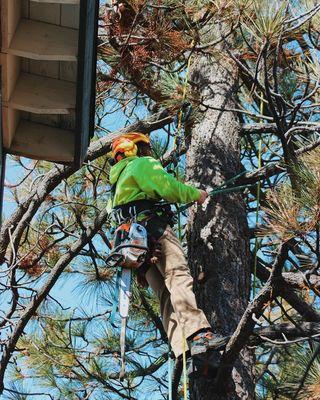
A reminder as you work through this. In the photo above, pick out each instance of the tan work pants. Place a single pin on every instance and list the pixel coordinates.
(170, 279)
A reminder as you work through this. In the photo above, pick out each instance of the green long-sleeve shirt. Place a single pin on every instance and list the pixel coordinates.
(141, 178)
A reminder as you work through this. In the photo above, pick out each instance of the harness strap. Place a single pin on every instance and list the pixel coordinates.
(134, 208)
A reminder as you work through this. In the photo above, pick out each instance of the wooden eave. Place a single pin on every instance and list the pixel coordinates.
(48, 61)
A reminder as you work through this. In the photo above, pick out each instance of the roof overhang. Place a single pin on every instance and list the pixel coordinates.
(48, 63)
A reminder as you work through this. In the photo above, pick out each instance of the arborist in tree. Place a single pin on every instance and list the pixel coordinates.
(139, 184)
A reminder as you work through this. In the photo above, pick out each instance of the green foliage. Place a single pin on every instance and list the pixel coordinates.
(292, 373)
(296, 212)
(264, 19)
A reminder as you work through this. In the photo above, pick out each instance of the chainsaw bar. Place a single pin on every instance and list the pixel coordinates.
(124, 303)
(125, 292)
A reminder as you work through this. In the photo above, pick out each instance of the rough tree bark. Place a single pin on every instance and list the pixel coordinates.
(218, 237)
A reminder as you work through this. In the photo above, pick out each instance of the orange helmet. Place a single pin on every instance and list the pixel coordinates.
(125, 145)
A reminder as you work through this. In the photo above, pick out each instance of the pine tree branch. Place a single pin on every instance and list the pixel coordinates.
(27, 394)
(253, 129)
(284, 333)
(260, 174)
(306, 372)
(309, 147)
(53, 276)
(140, 372)
(272, 169)
(104, 382)
(300, 280)
(281, 334)
(297, 303)
(285, 286)
(156, 121)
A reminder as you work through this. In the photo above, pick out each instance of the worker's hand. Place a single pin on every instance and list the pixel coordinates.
(203, 196)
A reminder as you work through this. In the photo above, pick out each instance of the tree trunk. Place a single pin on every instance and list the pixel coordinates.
(218, 239)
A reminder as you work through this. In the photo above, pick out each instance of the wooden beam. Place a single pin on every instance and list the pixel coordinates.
(43, 142)
(42, 41)
(43, 95)
(10, 122)
(10, 72)
(10, 17)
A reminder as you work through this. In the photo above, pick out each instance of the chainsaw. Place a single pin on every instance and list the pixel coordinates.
(129, 252)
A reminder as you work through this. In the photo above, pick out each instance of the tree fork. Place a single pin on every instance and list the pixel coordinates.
(218, 235)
